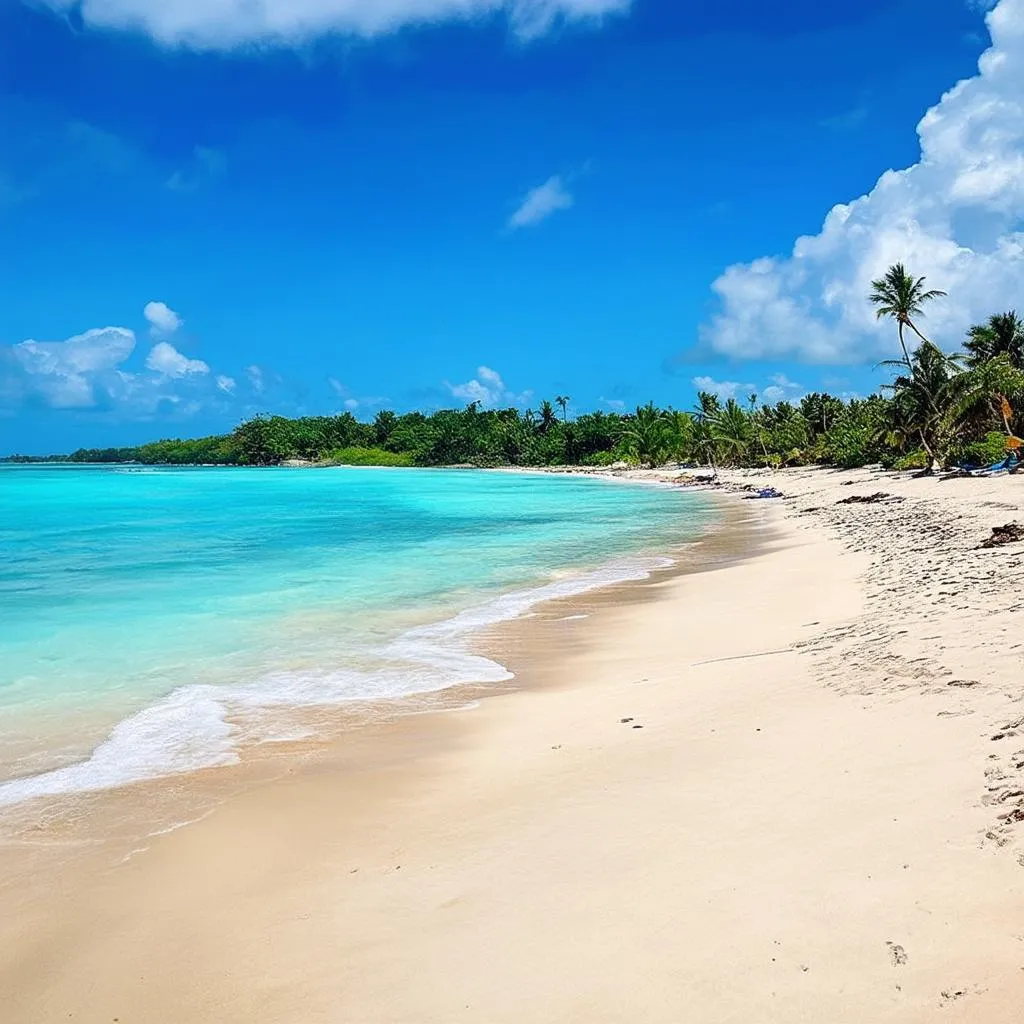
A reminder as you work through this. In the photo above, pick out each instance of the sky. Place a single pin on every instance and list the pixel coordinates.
(214, 208)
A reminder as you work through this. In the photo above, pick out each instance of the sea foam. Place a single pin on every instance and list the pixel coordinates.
(203, 726)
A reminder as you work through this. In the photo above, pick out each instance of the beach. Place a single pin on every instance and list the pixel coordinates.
(784, 788)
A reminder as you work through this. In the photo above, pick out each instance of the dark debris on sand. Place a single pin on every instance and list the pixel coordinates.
(1008, 534)
(868, 499)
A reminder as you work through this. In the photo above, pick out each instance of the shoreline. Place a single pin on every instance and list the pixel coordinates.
(124, 814)
(443, 647)
(735, 857)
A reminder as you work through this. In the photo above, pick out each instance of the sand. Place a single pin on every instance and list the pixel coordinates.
(781, 790)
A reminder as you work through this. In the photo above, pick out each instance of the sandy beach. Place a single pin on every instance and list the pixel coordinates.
(787, 788)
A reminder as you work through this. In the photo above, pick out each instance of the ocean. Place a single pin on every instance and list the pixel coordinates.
(155, 620)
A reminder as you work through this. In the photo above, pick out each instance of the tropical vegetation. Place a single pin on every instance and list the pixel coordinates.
(941, 408)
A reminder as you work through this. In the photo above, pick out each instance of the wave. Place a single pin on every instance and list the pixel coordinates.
(202, 726)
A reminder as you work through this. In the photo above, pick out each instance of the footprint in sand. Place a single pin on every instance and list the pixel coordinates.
(898, 954)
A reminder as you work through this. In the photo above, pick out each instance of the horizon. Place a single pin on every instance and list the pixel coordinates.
(486, 202)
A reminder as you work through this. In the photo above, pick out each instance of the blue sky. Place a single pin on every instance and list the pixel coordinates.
(208, 211)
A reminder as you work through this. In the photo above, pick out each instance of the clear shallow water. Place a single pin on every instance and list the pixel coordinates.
(151, 620)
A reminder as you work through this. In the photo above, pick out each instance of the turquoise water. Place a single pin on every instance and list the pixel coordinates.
(155, 619)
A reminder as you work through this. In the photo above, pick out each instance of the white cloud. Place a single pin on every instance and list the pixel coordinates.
(724, 389)
(488, 389)
(256, 381)
(89, 372)
(352, 402)
(163, 321)
(72, 374)
(367, 402)
(541, 202)
(782, 389)
(166, 359)
(615, 404)
(954, 216)
(221, 24)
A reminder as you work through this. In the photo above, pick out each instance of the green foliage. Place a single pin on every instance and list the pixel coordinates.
(985, 451)
(599, 459)
(731, 431)
(917, 459)
(901, 297)
(1001, 335)
(936, 411)
(354, 456)
(847, 445)
(201, 451)
(646, 436)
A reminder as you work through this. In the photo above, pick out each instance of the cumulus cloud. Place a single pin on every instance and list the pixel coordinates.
(256, 379)
(954, 216)
(163, 321)
(541, 202)
(782, 389)
(724, 389)
(778, 389)
(72, 374)
(222, 24)
(166, 359)
(89, 372)
(226, 384)
(488, 389)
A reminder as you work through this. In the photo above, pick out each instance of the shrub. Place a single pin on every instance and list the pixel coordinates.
(917, 459)
(354, 456)
(990, 449)
(599, 459)
(847, 446)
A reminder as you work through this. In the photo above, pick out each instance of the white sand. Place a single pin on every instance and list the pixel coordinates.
(806, 828)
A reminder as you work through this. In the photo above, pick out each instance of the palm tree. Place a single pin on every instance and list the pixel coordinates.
(679, 434)
(984, 393)
(730, 430)
(383, 424)
(708, 406)
(1003, 334)
(547, 416)
(902, 297)
(645, 435)
(820, 411)
(563, 401)
(757, 420)
(922, 399)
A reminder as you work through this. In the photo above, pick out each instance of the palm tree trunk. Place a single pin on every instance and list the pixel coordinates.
(903, 345)
(927, 448)
(913, 327)
(711, 458)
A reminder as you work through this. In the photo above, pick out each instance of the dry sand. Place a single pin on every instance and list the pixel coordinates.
(815, 821)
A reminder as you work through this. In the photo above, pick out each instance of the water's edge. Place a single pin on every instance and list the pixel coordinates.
(198, 725)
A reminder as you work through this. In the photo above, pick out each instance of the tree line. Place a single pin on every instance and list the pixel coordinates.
(940, 409)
